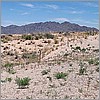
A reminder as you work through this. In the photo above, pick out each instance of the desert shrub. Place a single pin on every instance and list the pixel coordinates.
(96, 61)
(9, 68)
(29, 55)
(10, 53)
(66, 54)
(50, 78)
(36, 37)
(87, 33)
(8, 65)
(40, 45)
(49, 36)
(97, 69)
(60, 75)
(44, 72)
(58, 62)
(78, 48)
(9, 79)
(93, 61)
(27, 37)
(56, 41)
(83, 50)
(90, 61)
(3, 81)
(45, 41)
(4, 41)
(22, 82)
(12, 71)
(49, 41)
(96, 50)
(80, 90)
(27, 97)
(82, 70)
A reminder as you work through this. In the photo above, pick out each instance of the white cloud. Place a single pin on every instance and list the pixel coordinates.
(28, 5)
(11, 9)
(60, 19)
(92, 4)
(25, 13)
(76, 12)
(52, 6)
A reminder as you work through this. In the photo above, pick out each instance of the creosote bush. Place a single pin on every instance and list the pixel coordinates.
(97, 69)
(9, 79)
(61, 75)
(82, 70)
(44, 72)
(27, 37)
(93, 61)
(22, 82)
(49, 36)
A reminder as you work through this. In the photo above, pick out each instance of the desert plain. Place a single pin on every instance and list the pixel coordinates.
(58, 65)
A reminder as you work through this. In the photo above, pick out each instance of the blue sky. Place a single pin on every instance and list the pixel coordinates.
(20, 13)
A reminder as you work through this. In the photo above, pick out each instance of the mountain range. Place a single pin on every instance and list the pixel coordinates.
(46, 27)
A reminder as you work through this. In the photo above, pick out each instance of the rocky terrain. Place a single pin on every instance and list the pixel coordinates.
(56, 66)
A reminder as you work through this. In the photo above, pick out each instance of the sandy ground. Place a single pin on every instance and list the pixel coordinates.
(74, 87)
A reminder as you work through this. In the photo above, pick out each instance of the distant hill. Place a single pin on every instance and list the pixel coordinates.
(45, 27)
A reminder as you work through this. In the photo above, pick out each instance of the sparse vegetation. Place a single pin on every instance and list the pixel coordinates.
(9, 79)
(82, 70)
(61, 75)
(22, 82)
(27, 37)
(51, 60)
(49, 36)
(44, 72)
(97, 69)
(93, 61)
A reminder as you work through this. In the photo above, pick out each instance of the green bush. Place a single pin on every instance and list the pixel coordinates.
(9, 68)
(60, 75)
(27, 37)
(9, 79)
(22, 82)
(8, 65)
(82, 70)
(49, 36)
(94, 61)
(91, 61)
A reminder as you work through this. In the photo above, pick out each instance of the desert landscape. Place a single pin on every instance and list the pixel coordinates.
(50, 50)
(53, 65)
